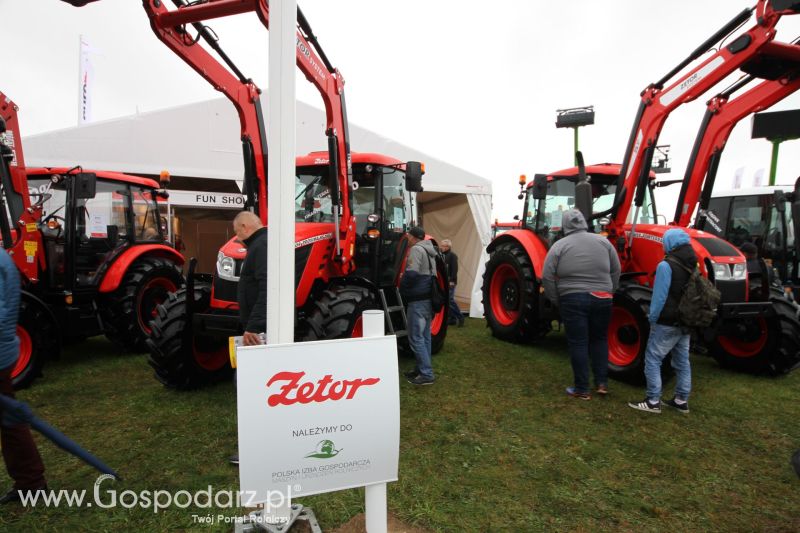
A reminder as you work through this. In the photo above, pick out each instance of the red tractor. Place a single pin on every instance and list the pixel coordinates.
(90, 249)
(352, 214)
(515, 307)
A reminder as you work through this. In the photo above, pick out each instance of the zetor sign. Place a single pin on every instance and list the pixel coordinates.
(317, 416)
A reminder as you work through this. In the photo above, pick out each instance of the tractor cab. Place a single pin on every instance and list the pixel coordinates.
(88, 219)
(549, 196)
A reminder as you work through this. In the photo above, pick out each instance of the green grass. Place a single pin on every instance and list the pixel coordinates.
(494, 442)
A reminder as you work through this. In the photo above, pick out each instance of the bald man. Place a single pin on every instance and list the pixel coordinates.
(252, 289)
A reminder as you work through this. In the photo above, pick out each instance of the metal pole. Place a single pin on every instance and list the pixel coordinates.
(773, 168)
(375, 495)
(575, 143)
(281, 135)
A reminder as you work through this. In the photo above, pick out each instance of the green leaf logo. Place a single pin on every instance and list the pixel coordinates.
(325, 450)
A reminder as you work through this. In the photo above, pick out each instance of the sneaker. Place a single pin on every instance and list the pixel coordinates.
(419, 379)
(602, 391)
(12, 496)
(575, 394)
(645, 405)
(681, 407)
(234, 459)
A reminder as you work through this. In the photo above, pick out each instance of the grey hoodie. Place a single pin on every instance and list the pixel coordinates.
(580, 261)
(420, 266)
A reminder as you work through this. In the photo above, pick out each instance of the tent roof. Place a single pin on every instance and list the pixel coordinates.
(202, 140)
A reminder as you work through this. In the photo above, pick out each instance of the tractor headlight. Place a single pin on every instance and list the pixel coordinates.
(226, 267)
(739, 271)
(722, 271)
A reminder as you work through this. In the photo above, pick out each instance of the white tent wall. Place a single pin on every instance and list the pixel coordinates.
(203, 140)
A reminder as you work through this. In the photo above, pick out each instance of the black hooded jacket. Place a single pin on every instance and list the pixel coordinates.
(252, 288)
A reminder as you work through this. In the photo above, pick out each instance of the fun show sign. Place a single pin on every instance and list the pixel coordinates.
(317, 416)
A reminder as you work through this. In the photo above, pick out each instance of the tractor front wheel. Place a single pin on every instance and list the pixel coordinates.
(129, 309)
(761, 345)
(38, 339)
(180, 362)
(628, 332)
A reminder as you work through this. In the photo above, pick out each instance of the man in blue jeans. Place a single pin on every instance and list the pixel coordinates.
(416, 288)
(580, 274)
(666, 334)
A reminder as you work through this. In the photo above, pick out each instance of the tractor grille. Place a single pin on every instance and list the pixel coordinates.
(732, 290)
(300, 259)
(227, 290)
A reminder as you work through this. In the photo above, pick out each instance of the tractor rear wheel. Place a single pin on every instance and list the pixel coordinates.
(336, 314)
(762, 345)
(628, 332)
(129, 309)
(182, 363)
(38, 339)
(510, 295)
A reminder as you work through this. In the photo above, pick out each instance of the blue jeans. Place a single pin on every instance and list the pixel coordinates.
(664, 340)
(586, 319)
(419, 335)
(455, 312)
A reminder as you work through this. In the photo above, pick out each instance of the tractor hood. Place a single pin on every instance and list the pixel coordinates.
(305, 234)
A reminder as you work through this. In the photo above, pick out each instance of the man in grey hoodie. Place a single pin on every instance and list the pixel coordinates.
(416, 288)
(581, 273)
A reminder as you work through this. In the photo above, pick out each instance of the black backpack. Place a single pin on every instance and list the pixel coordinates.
(697, 307)
(437, 298)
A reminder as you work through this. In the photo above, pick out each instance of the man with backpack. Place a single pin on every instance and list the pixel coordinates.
(668, 331)
(416, 287)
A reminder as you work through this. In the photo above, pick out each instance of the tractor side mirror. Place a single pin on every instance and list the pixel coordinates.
(85, 185)
(414, 172)
(540, 186)
(112, 234)
(516, 217)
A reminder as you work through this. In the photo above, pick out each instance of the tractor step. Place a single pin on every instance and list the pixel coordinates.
(395, 313)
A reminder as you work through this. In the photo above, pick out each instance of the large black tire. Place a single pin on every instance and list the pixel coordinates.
(628, 333)
(180, 363)
(336, 314)
(762, 345)
(39, 339)
(127, 312)
(510, 295)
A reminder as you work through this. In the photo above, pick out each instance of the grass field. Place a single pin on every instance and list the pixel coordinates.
(494, 443)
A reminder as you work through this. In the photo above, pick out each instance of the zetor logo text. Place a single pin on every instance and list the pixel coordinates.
(294, 390)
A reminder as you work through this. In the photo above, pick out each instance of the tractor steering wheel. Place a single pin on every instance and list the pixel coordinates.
(62, 222)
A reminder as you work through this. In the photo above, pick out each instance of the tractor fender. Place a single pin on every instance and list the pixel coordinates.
(115, 273)
(47, 309)
(533, 246)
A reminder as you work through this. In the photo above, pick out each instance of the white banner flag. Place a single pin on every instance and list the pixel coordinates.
(737, 178)
(758, 178)
(85, 83)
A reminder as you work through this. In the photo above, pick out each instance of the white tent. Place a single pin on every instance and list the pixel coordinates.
(202, 140)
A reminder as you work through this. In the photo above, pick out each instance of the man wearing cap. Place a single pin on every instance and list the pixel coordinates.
(416, 288)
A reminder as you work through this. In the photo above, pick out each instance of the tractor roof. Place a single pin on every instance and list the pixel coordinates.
(607, 169)
(112, 176)
(321, 158)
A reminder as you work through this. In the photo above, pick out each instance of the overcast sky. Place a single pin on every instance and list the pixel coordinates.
(473, 83)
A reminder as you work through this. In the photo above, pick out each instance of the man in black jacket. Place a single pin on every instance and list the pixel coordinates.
(451, 261)
(252, 286)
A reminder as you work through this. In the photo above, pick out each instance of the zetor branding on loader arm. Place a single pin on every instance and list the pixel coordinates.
(90, 249)
(745, 330)
(352, 214)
